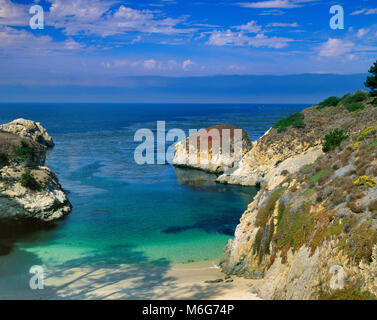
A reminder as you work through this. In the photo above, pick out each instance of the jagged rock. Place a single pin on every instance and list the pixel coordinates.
(22, 151)
(28, 189)
(19, 203)
(276, 152)
(317, 215)
(215, 157)
(29, 129)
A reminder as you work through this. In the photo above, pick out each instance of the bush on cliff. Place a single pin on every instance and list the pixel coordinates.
(28, 181)
(347, 293)
(295, 120)
(329, 102)
(333, 139)
(354, 102)
(24, 153)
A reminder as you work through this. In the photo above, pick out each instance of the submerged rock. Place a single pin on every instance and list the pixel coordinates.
(28, 189)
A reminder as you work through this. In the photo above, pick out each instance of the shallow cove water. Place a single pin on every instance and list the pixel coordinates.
(124, 213)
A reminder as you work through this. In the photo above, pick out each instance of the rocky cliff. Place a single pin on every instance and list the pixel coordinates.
(317, 207)
(224, 146)
(28, 189)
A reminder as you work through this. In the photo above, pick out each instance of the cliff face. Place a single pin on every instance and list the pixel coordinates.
(280, 152)
(28, 189)
(215, 157)
(317, 216)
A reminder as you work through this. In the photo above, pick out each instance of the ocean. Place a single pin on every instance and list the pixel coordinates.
(124, 213)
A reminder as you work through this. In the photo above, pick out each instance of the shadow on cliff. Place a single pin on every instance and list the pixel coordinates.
(105, 276)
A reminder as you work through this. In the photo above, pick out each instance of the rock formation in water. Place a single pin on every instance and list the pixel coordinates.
(28, 189)
(224, 145)
(315, 217)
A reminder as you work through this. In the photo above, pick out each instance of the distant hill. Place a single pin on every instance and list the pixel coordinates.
(304, 88)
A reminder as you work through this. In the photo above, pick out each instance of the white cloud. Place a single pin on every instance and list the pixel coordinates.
(362, 32)
(23, 43)
(365, 12)
(172, 64)
(71, 44)
(229, 38)
(97, 17)
(12, 14)
(149, 64)
(281, 24)
(186, 64)
(235, 67)
(250, 27)
(275, 4)
(335, 48)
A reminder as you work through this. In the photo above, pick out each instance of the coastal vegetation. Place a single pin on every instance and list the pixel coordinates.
(329, 102)
(333, 139)
(319, 214)
(24, 153)
(28, 181)
(295, 120)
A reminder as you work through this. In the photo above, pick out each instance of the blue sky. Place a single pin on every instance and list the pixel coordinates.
(97, 43)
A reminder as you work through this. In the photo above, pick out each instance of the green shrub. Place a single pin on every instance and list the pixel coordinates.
(353, 102)
(265, 213)
(329, 102)
(24, 153)
(367, 131)
(320, 174)
(28, 181)
(333, 139)
(354, 106)
(348, 293)
(359, 95)
(295, 120)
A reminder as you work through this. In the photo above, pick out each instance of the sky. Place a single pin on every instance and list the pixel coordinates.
(93, 43)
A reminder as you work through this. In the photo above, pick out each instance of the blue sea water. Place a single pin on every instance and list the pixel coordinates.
(127, 213)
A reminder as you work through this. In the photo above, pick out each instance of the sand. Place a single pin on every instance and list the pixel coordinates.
(134, 282)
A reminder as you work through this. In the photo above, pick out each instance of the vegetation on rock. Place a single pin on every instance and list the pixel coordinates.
(347, 293)
(28, 181)
(329, 102)
(333, 139)
(295, 120)
(24, 153)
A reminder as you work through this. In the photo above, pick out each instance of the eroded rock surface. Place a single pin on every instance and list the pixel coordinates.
(28, 189)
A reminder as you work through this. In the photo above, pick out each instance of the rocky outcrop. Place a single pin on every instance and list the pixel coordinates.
(287, 151)
(314, 221)
(18, 203)
(29, 129)
(216, 149)
(28, 189)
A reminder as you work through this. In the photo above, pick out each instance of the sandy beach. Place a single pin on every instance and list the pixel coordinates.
(186, 282)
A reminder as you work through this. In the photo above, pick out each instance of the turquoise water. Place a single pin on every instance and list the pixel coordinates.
(126, 213)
